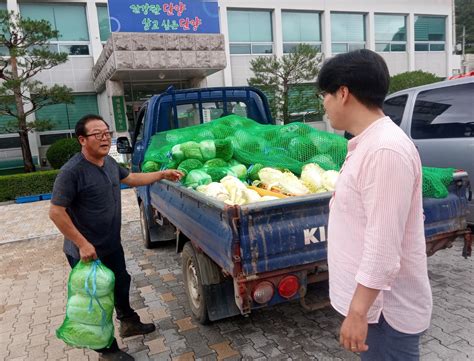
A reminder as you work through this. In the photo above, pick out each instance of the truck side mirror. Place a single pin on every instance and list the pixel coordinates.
(123, 145)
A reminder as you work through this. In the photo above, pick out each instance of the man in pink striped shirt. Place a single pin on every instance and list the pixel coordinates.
(378, 274)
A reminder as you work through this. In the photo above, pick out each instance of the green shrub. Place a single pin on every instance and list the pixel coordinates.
(411, 79)
(60, 151)
(12, 186)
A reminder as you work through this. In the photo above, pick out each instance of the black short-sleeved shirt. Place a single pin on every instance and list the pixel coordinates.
(91, 196)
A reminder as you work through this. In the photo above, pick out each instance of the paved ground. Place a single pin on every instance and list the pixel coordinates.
(33, 281)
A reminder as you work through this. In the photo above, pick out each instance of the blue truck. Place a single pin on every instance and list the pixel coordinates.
(239, 258)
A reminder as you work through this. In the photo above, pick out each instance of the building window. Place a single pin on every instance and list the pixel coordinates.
(73, 40)
(65, 116)
(3, 49)
(347, 32)
(390, 33)
(300, 27)
(430, 33)
(250, 32)
(104, 23)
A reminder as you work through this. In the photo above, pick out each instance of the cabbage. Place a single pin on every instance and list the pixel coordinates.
(150, 166)
(191, 150)
(215, 190)
(311, 177)
(301, 148)
(268, 198)
(188, 165)
(217, 173)
(105, 279)
(224, 149)
(208, 149)
(177, 154)
(233, 162)
(325, 161)
(170, 165)
(329, 179)
(78, 309)
(76, 334)
(197, 177)
(252, 196)
(216, 162)
(236, 189)
(270, 176)
(290, 184)
(240, 171)
(253, 171)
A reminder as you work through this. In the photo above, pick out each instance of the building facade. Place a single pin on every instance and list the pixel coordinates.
(113, 74)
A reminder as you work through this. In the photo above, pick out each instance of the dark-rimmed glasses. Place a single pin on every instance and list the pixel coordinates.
(100, 135)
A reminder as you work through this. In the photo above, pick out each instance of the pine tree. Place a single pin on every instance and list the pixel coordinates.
(26, 42)
(277, 76)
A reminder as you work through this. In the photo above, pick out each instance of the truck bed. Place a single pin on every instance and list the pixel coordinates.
(281, 234)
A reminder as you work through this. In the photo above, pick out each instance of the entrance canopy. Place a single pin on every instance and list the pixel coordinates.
(138, 57)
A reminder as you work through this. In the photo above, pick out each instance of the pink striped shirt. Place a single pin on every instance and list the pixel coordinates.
(376, 232)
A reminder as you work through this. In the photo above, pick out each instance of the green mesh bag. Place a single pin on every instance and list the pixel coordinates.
(239, 140)
(436, 181)
(90, 306)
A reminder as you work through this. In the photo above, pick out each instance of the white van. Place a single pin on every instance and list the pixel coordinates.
(439, 118)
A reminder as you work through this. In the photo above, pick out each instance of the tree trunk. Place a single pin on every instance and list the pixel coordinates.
(29, 166)
(23, 130)
(285, 110)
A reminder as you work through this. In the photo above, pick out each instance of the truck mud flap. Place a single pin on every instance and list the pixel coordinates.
(220, 300)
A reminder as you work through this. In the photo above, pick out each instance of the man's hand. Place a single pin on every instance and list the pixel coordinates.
(354, 333)
(87, 252)
(172, 175)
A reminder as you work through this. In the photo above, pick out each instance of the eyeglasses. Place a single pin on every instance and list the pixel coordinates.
(323, 94)
(100, 135)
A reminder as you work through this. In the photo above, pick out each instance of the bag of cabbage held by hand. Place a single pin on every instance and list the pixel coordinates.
(90, 305)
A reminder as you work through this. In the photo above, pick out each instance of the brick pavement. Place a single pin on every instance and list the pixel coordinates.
(33, 296)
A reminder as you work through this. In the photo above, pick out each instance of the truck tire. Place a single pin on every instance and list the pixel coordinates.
(145, 226)
(193, 284)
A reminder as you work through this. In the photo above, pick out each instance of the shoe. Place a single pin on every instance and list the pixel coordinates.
(132, 326)
(115, 356)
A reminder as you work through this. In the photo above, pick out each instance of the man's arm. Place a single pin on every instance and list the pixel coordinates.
(64, 223)
(143, 179)
(387, 188)
(354, 328)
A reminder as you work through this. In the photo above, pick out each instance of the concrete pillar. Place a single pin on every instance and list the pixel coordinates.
(411, 41)
(94, 31)
(225, 32)
(326, 34)
(370, 36)
(448, 49)
(277, 33)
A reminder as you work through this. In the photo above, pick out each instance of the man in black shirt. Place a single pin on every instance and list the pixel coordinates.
(86, 208)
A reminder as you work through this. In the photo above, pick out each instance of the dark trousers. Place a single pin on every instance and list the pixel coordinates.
(116, 263)
(387, 344)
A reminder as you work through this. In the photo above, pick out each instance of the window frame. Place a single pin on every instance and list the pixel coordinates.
(430, 42)
(252, 44)
(317, 44)
(391, 42)
(349, 43)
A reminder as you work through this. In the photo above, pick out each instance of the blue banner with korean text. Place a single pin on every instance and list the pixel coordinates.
(186, 16)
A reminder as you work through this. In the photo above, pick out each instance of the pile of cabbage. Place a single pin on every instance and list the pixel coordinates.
(90, 306)
(234, 191)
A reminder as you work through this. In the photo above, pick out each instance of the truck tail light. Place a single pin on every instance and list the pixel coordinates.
(288, 286)
(263, 292)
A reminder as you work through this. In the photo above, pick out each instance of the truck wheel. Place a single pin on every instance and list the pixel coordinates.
(145, 226)
(193, 284)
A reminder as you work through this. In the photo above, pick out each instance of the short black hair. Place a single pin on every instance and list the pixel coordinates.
(363, 72)
(80, 129)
